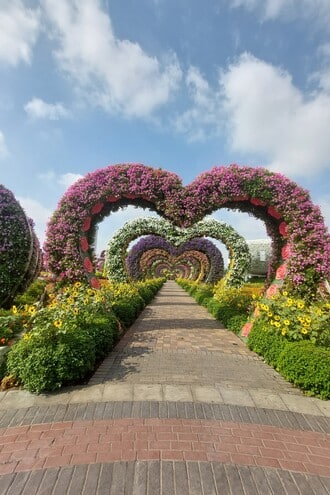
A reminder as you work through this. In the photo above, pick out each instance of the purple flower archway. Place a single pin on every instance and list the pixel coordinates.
(301, 242)
(145, 244)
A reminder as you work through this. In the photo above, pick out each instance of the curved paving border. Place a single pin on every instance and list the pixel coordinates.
(81, 442)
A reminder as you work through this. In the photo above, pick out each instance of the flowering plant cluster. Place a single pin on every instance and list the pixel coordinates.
(295, 319)
(202, 245)
(20, 254)
(155, 263)
(294, 224)
(236, 245)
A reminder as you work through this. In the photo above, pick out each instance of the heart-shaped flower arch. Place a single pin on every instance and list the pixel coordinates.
(300, 240)
(216, 265)
(236, 245)
(156, 262)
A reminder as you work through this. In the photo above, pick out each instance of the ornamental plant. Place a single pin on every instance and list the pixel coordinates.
(236, 245)
(69, 336)
(300, 240)
(190, 264)
(294, 318)
(203, 245)
(20, 254)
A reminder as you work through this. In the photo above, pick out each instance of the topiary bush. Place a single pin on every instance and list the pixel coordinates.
(20, 254)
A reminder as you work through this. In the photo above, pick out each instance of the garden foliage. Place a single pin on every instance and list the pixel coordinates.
(64, 340)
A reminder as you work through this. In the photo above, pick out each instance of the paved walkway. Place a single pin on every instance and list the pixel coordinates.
(180, 406)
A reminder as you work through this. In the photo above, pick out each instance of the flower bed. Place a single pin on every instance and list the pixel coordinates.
(67, 338)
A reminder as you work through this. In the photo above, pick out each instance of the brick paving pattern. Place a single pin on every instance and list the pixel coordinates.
(181, 406)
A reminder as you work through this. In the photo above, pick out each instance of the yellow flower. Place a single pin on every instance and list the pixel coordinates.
(306, 324)
(283, 331)
(75, 311)
(77, 284)
(51, 295)
(14, 310)
(70, 300)
(58, 323)
(66, 290)
(300, 304)
(86, 301)
(277, 324)
(32, 310)
(286, 322)
(277, 318)
(285, 293)
(269, 314)
(308, 319)
(304, 331)
(272, 322)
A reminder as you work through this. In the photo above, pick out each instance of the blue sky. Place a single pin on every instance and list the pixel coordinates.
(178, 84)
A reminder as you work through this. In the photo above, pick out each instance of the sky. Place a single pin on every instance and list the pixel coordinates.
(184, 85)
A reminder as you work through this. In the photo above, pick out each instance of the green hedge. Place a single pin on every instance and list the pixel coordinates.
(302, 363)
(47, 359)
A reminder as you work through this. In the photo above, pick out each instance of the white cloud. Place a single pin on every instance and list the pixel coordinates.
(112, 73)
(202, 119)
(269, 117)
(39, 214)
(68, 179)
(313, 10)
(64, 180)
(39, 109)
(3, 146)
(19, 28)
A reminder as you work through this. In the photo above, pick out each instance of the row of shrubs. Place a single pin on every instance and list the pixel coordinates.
(301, 358)
(65, 339)
(302, 363)
(230, 306)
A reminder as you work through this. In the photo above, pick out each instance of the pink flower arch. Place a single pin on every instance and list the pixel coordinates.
(287, 210)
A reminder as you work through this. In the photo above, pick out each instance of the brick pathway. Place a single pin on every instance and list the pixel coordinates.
(181, 406)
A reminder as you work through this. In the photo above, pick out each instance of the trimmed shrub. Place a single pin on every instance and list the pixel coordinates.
(302, 363)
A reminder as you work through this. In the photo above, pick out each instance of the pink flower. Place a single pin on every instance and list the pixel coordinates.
(95, 283)
(246, 329)
(112, 199)
(88, 265)
(272, 290)
(86, 225)
(84, 244)
(286, 252)
(281, 272)
(97, 208)
(274, 213)
(257, 202)
(283, 229)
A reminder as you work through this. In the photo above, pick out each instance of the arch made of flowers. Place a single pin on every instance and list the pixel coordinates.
(300, 239)
(117, 247)
(196, 262)
(20, 254)
(216, 268)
